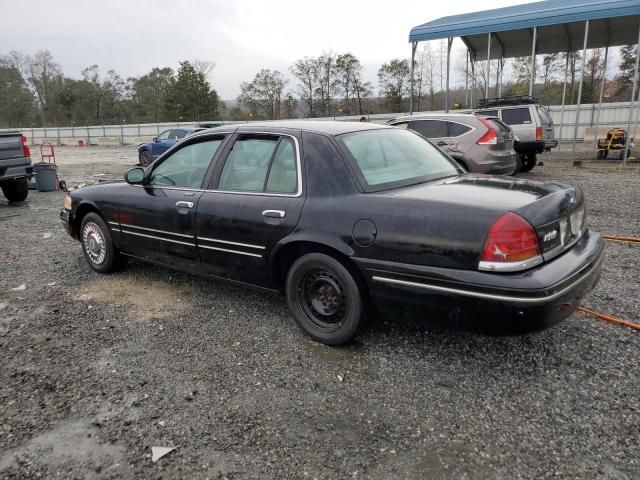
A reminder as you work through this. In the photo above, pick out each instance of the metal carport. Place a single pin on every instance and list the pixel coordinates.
(551, 26)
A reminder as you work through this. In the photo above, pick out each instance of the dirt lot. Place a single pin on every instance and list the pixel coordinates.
(96, 370)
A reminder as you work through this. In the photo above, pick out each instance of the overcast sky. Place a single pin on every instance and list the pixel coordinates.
(240, 36)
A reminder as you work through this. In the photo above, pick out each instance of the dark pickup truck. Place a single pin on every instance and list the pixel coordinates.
(15, 165)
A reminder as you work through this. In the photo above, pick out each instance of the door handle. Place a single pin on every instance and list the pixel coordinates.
(273, 213)
(441, 143)
(183, 204)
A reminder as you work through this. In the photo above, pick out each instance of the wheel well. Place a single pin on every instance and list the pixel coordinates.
(288, 254)
(83, 209)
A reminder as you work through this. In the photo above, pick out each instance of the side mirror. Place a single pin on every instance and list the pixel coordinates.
(155, 139)
(135, 175)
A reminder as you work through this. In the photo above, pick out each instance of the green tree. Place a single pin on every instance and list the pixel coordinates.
(627, 68)
(16, 100)
(394, 78)
(149, 93)
(190, 96)
(263, 95)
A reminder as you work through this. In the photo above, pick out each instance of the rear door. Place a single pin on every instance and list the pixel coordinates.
(519, 119)
(459, 141)
(254, 200)
(157, 220)
(434, 130)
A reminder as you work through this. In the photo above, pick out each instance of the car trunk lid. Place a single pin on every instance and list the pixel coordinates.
(554, 210)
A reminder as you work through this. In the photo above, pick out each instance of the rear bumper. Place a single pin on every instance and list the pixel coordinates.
(15, 168)
(535, 298)
(551, 144)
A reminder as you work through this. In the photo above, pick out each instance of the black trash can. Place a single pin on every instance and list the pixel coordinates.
(46, 176)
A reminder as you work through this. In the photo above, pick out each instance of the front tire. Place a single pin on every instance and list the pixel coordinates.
(97, 245)
(17, 190)
(324, 299)
(144, 158)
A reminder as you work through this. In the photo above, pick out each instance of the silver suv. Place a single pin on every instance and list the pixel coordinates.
(530, 122)
(481, 145)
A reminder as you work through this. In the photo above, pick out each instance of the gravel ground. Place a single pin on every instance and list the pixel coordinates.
(99, 369)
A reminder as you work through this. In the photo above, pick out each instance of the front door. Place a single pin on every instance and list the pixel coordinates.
(255, 200)
(157, 219)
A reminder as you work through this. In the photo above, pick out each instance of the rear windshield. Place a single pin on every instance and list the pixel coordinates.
(544, 115)
(498, 125)
(394, 158)
(516, 116)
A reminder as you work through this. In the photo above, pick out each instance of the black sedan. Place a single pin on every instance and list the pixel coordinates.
(342, 216)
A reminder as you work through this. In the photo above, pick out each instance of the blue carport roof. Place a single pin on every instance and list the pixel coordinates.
(560, 26)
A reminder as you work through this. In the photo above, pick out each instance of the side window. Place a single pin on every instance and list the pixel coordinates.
(488, 113)
(402, 125)
(187, 167)
(164, 135)
(260, 164)
(282, 174)
(430, 128)
(516, 116)
(248, 163)
(457, 129)
(179, 134)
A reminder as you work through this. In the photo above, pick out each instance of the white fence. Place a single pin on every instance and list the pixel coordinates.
(591, 122)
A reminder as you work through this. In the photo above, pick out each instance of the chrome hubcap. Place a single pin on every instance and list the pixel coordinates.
(94, 243)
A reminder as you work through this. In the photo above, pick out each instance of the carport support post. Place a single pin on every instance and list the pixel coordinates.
(486, 85)
(413, 60)
(633, 100)
(577, 163)
(533, 60)
(466, 81)
(596, 121)
(446, 93)
(564, 92)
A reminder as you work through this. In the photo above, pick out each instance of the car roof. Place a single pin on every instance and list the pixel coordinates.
(434, 116)
(324, 127)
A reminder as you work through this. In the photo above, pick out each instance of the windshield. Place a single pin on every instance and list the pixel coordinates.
(393, 158)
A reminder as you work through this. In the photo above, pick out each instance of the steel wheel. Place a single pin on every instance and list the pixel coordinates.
(323, 300)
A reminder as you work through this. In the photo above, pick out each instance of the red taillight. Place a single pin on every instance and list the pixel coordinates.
(538, 133)
(511, 239)
(25, 147)
(490, 137)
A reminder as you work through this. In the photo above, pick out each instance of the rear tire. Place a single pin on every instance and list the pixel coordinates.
(324, 299)
(528, 162)
(17, 190)
(144, 158)
(97, 245)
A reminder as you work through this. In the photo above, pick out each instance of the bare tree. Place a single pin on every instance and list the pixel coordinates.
(45, 78)
(306, 72)
(205, 67)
